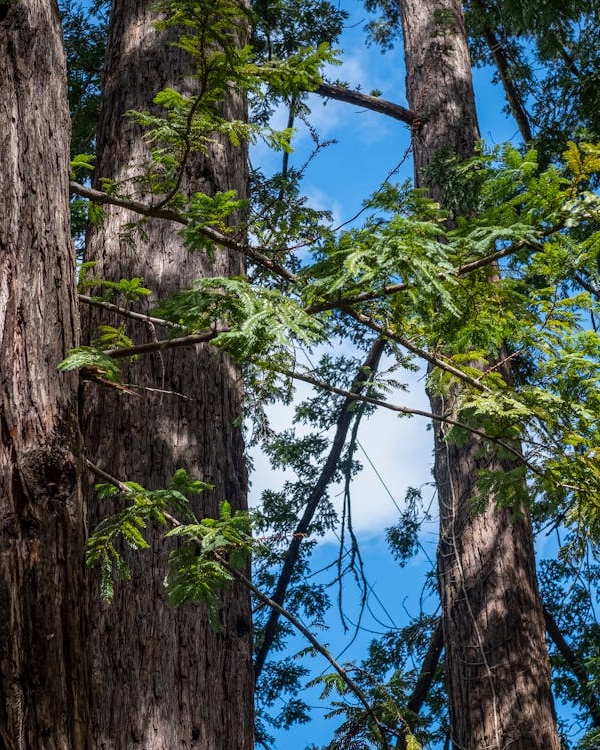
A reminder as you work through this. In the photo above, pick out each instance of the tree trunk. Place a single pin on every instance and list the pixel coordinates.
(496, 659)
(162, 679)
(42, 669)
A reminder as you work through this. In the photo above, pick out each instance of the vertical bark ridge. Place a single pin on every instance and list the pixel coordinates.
(494, 640)
(180, 682)
(42, 665)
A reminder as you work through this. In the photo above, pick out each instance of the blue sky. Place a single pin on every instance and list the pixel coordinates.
(368, 146)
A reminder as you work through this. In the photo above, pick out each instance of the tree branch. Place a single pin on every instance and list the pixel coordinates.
(414, 412)
(374, 103)
(255, 254)
(344, 420)
(276, 607)
(270, 603)
(154, 346)
(388, 333)
(512, 95)
(466, 268)
(123, 311)
(425, 678)
(576, 666)
(107, 477)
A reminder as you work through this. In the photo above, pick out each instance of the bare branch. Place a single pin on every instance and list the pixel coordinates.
(316, 645)
(502, 65)
(154, 346)
(363, 376)
(576, 666)
(374, 103)
(413, 412)
(425, 678)
(123, 311)
(107, 477)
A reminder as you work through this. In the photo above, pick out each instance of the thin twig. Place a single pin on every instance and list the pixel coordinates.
(314, 643)
(123, 311)
(409, 411)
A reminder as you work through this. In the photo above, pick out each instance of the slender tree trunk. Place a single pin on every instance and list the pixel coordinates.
(42, 669)
(496, 659)
(162, 678)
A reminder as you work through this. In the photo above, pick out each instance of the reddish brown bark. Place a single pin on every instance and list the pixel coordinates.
(161, 677)
(42, 669)
(496, 658)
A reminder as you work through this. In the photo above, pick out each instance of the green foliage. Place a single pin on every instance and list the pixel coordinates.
(201, 568)
(201, 565)
(358, 729)
(403, 537)
(126, 525)
(263, 322)
(213, 35)
(551, 50)
(93, 358)
(83, 162)
(128, 290)
(84, 34)
(507, 273)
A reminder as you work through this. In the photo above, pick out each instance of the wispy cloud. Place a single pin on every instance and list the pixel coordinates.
(396, 453)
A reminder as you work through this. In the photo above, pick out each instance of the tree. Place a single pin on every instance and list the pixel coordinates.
(43, 672)
(494, 634)
(180, 408)
(513, 380)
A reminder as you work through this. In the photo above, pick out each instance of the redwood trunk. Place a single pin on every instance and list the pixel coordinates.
(42, 669)
(162, 679)
(497, 665)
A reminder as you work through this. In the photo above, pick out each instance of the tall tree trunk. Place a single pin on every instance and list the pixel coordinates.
(496, 659)
(162, 679)
(42, 669)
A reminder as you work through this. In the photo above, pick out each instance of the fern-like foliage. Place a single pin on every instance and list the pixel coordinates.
(200, 567)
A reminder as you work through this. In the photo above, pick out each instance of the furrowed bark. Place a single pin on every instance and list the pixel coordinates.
(496, 659)
(179, 685)
(42, 664)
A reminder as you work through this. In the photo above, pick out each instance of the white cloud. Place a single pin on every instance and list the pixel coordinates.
(396, 453)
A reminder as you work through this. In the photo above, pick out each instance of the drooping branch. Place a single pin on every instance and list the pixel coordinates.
(275, 606)
(428, 668)
(257, 255)
(369, 366)
(576, 666)
(367, 101)
(351, 395)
